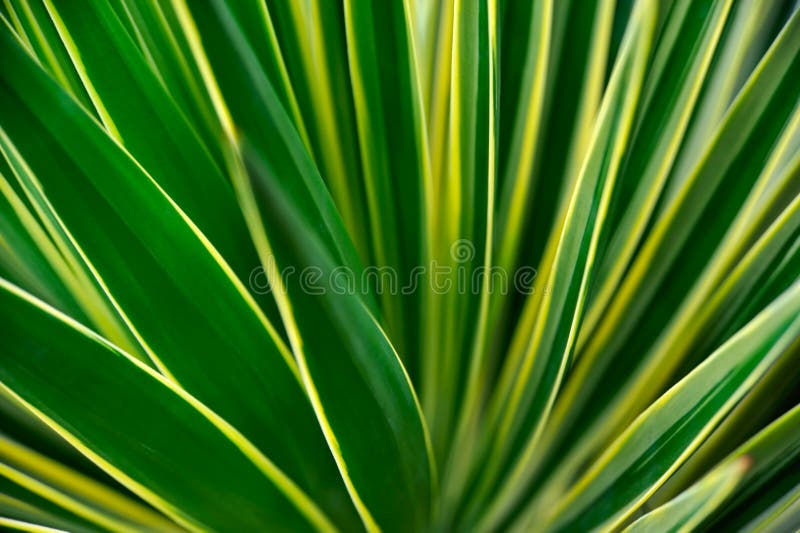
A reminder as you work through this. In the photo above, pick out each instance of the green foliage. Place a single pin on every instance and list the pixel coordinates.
(400, 265)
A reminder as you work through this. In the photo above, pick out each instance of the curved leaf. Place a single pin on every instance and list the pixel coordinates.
(744, 472)
(205, 330)
(149, 434)
(662, 437)
(75, 493)
(687, 511)
(357, 385)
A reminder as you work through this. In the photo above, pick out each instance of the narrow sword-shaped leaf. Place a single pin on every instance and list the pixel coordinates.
(463, 219)
(263, 120)
(744, 472)
(741, 47)
(18, 505)
(620, 343)
(578, 63)
(357, 385)
(667, 106)
(519, 422)
(26, 252)
(141, 115)
(478, 129)
(204, 330)
(781, 512)
(36, 29)
(354, 376)
(61, 256)
(21, 525)
(687, 511)
(662, 437)
(311, 35)
(74, 492)
(139, 427)
(576, 66)
(395, 162)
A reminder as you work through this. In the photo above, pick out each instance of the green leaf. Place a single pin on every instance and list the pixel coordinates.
(254, 111)
(256, 23)
(782, 515)
(21, 506)
(394, 156)
(156, 31)
(686, 512)
(32, 229)
(40, 37)
(205, 330)
(675, 78)
(686, 251)
(521, 410)
(66, 489)
(523, 78)
(347, 365)
(662, 437)
(27, 254)
(143, 430)
(548, 249)
(454, 321)
(19, 525)
(764, 402)
(138, 112)
(311, 35)
(578, 63)
(741, 46)
(744, 472)
(349, 368)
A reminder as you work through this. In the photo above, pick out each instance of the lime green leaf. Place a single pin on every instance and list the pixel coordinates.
(539, 375)
(671, 262)
(311, 35)
(454, 322)
(744, 472)
(522, 80)
(687, 511)
(466, 234)
(662, 437)
(393, 148)
(74, 492)
(20, 525)
(437, 92)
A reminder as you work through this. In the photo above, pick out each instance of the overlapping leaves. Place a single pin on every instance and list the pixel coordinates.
(165, 164)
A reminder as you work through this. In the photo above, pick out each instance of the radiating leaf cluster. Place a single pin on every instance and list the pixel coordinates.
(400, 265)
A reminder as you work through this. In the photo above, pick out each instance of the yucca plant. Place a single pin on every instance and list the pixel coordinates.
(401, 265)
